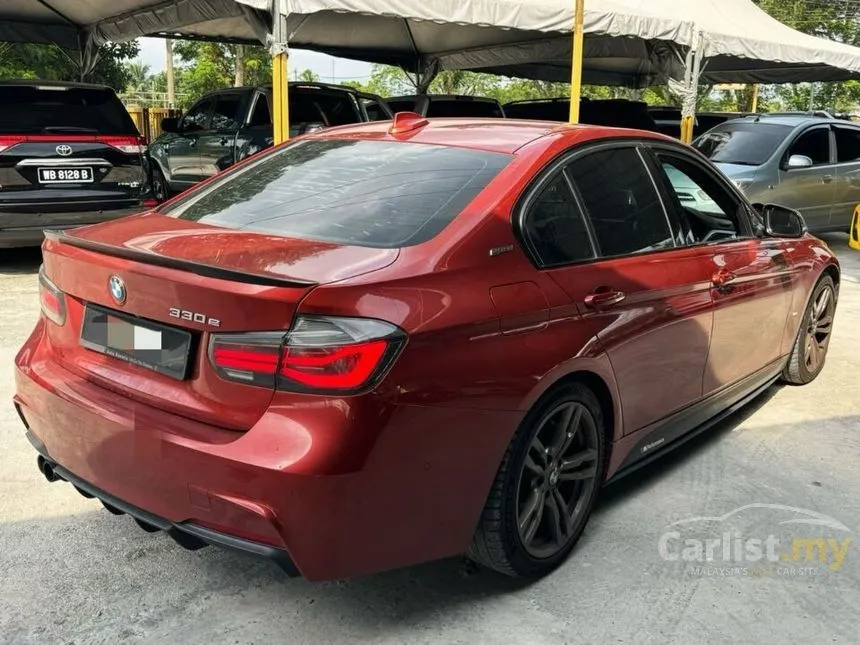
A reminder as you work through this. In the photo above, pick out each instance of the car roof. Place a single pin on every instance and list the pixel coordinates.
(69, 85)
(494, 135)
(793, 120)
(453, 97)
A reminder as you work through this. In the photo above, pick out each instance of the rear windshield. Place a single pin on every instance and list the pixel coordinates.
(45, 110)
(380, 194)
(743, 143)
(463, 108)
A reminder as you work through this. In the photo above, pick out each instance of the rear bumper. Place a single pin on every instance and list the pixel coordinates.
(335, 490)
(26, 229)
(187, 535)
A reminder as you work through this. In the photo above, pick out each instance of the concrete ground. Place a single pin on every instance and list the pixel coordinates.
(72, 573)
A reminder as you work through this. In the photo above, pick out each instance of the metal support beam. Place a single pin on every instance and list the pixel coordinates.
(691, 90)
(576, 61)
(280, 75)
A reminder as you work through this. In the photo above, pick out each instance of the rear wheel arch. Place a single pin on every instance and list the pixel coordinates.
(601, 390)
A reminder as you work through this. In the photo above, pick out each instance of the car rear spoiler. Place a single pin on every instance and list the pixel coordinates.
(197, 268)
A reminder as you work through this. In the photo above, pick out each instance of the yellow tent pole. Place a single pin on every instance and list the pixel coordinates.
(280, 96)
(576, 61)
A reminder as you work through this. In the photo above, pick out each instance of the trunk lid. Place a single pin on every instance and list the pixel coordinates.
(192, 278)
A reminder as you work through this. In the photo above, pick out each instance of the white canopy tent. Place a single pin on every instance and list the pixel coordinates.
(627, 42)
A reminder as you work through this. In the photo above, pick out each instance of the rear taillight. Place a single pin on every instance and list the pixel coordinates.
(129, 145)
(8, 142)
(51, 299)
(318, 355)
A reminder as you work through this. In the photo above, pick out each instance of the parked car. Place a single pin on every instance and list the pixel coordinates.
(394, 342)
(447, 105)
(806, 163)
(228, 125)
(618, 113)
(69, 155)
(668, 120)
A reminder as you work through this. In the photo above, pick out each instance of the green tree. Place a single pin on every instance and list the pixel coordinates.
(52, 63)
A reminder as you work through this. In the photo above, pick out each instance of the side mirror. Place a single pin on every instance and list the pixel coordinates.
(780, 221)
(170, 124)
(799, 161)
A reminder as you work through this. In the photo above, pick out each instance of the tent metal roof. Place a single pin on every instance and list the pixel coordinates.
(632, 42)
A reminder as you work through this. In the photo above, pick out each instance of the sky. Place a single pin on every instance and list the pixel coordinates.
(329, 69)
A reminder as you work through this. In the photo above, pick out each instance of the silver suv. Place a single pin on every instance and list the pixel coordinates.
(811, 164)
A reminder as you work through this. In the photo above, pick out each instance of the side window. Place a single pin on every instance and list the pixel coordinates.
(197, 118)
(622, 204)
(555, 227)
(224, 117)
(709, 212)
(375, 111)
(814, 144)
(847, 145)
(261, 114)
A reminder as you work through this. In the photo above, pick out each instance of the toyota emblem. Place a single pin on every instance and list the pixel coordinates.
(63, 150)
(117, 289)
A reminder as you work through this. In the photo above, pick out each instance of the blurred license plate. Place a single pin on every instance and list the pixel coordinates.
(65, 175)
(151, 345)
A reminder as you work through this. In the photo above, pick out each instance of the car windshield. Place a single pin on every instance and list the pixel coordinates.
(379, 194)
(59, 109)
(742, 143)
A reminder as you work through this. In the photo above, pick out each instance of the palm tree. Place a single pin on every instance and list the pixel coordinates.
(138, 76)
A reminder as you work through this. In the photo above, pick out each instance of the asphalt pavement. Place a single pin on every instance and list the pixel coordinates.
(778, 483)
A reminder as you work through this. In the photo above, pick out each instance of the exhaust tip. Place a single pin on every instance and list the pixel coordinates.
(47, 469)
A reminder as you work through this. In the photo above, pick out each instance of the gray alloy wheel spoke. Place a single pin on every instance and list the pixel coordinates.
(532, 516)
(814, 353)
(540, 449)
(572, 470)
(557, 521)
(533, 466)
(821, 305)
(824, 325)
(566, 515)
(562, 439)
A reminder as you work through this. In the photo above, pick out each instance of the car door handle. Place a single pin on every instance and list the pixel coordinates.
(723, 278)
(604, 298)
(827, 179)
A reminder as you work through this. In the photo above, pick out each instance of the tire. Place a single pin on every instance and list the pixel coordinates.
(809, 353)
(160, 189)
(546, 539)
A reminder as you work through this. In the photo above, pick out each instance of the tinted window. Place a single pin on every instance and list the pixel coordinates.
(402, 105)
(622, 204)
(708, 210)
(463, 108)
(321, 107)
(847, 145)
(197, 118)
(814, 144)
(375, 110)
(555, 226)
(261, 114)
(367, 193)
(36, 110)
(225, 115)
(539, 110)
(747, 143)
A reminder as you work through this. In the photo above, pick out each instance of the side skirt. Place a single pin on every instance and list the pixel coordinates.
(699, 417)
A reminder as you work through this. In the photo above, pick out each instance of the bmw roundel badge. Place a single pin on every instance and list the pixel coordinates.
(117, 289)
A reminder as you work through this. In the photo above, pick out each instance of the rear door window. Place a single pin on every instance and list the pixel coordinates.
(622, 203)
(58, 109)
(847, 145)
(368, 193)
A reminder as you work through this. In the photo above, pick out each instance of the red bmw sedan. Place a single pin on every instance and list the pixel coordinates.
(388, 343)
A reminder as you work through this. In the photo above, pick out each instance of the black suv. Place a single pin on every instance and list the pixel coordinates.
(226, 126)
(69, 155)
(616, 113)
(447, 105)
